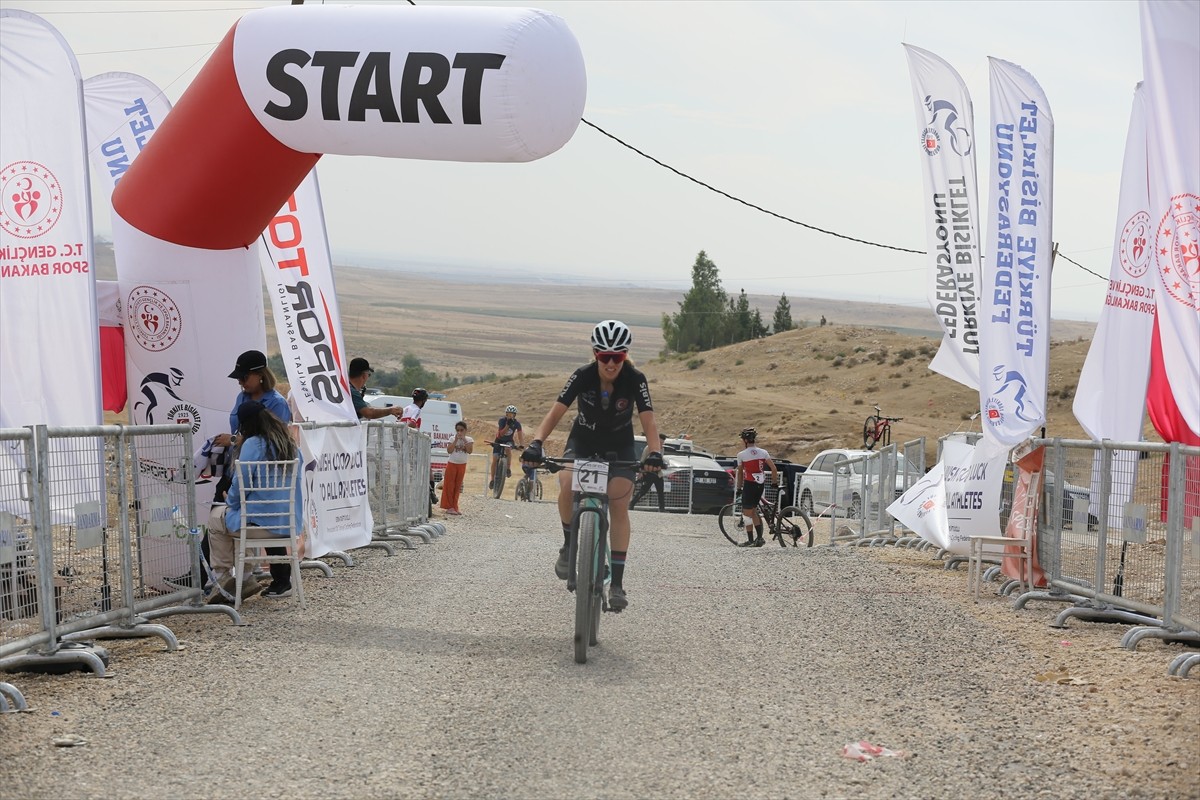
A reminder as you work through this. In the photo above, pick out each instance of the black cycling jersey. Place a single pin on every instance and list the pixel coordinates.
(605, 422)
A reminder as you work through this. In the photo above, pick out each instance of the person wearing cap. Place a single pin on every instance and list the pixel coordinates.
(258, 384)
(360, 370)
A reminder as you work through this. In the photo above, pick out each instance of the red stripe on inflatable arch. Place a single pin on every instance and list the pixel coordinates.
(211, 177)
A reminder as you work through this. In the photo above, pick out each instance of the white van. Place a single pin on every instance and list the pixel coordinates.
(438, 418)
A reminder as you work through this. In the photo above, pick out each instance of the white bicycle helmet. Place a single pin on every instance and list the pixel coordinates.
(510, 410)
(611, 336)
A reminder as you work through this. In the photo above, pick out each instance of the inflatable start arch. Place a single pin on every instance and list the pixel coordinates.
(286, 85)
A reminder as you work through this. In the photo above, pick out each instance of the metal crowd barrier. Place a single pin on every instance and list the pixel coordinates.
(1120, 536)
(863, 496)
(398, 473)
(98, 536)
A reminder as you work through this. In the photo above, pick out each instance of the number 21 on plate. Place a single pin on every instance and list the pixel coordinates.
(590, 476)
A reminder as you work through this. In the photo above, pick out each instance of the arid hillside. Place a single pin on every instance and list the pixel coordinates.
(804, 390)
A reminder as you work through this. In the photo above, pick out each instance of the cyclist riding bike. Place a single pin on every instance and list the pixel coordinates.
(508, 428)
(753, 462)
(607, 390)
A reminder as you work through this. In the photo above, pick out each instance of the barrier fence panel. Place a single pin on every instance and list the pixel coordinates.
(1115, 529)
(21, 624)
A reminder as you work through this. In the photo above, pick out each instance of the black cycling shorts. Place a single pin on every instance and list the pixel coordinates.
(751, 493)
(575, 450)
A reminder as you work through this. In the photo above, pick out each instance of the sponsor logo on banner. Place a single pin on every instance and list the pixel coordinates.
(1013, 388)
(32, 200)
(153, 318)
(1135, 249)
(958, 133)
(160, 398)
(185, 414)
(1177, 250)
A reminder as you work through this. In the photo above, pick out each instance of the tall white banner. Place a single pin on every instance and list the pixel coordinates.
(123, 111)
(1015, 333)
(1110, 401)
(1171, 68)
(48, 328)
(947, 125)
(298, 272)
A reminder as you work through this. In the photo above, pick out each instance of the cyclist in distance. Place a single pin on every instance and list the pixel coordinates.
(507, 428)
(753, 462)
(607, 390)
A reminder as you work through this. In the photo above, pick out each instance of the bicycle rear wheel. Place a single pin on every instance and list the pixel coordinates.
(795, 525)
(733, 523)
(585, 560)
(869, 432)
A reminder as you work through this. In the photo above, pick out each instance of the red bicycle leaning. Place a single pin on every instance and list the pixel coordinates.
(878, 429)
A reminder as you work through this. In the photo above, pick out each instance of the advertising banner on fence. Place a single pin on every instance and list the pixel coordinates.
(298, 271)
(1015, 332)
(1108, 408)
(955, 500)
(947, 127)
(48, 327)
(337, 514)
(1171, 67)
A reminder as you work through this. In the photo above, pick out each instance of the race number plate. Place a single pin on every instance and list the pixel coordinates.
(590, 476)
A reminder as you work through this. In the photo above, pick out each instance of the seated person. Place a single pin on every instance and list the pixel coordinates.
(265, 438)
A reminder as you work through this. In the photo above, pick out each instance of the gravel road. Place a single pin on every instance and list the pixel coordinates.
(447, 672)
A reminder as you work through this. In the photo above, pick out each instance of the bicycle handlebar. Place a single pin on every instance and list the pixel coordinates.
(559, 464)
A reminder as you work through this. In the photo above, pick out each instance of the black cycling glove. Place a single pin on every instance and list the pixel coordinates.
(533, 453)
(655, 459)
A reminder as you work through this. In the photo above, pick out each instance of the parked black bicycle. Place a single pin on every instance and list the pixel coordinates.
(788, 524)
(587, 550)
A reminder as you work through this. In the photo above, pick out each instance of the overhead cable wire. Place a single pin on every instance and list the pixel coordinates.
(746, 202)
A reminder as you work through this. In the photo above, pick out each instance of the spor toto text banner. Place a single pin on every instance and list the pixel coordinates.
(946, 122)
(298, 272)
(1015, 332)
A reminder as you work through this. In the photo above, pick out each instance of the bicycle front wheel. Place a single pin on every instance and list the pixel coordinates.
(498, 479)
(795, 525)
(585, 575)
(733, 523)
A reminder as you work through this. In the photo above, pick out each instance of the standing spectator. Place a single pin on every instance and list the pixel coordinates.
(460, 448)
(257, 382)
(358, 373)
(411, 415)
(506, 429)
(646, 479)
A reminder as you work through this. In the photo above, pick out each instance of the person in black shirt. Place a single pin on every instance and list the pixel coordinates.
(606, 392)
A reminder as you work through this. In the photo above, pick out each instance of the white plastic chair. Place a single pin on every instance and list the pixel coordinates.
(253, 477)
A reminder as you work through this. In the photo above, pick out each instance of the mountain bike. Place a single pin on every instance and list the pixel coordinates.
(502, 470)
(587, 550)
(529, 488)
(789, 523)
(878, 430)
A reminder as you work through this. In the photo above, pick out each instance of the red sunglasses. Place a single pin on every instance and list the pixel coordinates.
(611, 358)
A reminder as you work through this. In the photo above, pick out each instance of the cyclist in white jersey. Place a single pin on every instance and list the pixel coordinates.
(753, 462)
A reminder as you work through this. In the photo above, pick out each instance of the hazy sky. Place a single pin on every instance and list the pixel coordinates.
(803, 108)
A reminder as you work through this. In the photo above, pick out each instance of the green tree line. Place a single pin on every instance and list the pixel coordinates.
(708, 317)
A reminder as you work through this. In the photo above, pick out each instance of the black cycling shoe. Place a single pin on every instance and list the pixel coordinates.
(616, 599)
(562, 568)
(747, 543)
(758, 543)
